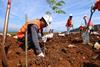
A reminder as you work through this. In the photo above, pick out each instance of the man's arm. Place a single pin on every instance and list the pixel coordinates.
(42, 32)
(34, 33)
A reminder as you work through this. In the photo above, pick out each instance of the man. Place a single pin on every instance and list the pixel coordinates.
(35, 31)
(85, 20)
(81, 28)
(97, 5)
(69, 24)
(89, 24)
(85, 31)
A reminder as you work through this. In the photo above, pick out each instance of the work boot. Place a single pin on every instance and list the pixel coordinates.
(41, 55)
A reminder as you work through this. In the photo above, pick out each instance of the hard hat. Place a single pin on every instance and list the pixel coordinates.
(70, 15)
(85, 15)
(47, 18)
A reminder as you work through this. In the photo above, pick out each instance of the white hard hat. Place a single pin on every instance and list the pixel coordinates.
(47, 18)
(85, 15)
(70, 15)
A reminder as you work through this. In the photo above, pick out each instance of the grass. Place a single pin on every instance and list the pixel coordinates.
(12, 33)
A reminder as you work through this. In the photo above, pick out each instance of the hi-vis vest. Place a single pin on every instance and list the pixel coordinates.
(69, 23)
(90, 24)
(21, 32)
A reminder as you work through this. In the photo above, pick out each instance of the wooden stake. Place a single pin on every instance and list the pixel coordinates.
(4, 58)
(26, 46)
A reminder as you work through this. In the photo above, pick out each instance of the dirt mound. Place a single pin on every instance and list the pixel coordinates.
(65, 51)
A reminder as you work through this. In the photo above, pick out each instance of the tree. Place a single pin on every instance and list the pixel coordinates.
(56, 6)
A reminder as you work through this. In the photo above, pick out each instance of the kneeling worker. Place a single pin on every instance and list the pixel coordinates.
(35, 28)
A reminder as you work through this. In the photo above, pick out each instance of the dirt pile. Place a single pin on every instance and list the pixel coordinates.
(65, 51)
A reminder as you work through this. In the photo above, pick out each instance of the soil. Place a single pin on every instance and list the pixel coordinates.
(57, 53)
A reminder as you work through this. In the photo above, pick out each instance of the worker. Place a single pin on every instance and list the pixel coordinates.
(69, 24)
(89, 24)
(97, 5)
(91, 27)
(81, 28)
(85, 31)
(85, 19)
(35, 31)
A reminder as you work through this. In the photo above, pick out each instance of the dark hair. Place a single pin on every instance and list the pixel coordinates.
(42, 19)
(70, 17)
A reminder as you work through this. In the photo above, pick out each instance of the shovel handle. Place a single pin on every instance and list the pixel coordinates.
(92, 11)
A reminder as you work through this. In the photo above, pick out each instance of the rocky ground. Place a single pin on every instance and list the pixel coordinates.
(65, 51)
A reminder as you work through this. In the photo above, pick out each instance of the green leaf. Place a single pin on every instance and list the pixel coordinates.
(51, 2)
(60, 3)
(54, 8)
(60, 12)
(48, 12)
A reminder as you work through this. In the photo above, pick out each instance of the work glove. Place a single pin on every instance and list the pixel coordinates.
(45, 37)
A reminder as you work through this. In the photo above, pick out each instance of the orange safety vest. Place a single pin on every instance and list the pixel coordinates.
(69, 23)
(90, 24)
(81, 28)
(21, 32)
